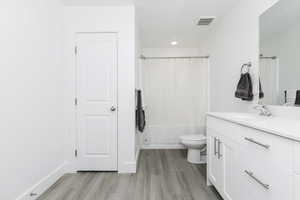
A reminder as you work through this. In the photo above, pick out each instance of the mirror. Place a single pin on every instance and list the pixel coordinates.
(280, 54)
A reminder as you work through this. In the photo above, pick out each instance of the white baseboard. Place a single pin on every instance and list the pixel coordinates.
(44, 183)
(127, 168)
(163, 146)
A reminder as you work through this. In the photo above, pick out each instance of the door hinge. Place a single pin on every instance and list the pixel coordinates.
(76, 102)
(75, 152)
(76, 50)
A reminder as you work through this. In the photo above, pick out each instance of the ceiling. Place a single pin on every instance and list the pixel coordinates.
(163, 21)
(278, 19)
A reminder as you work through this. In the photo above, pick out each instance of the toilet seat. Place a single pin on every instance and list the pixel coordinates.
(198, 137)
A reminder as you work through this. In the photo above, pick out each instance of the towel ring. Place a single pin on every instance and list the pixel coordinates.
(248, 65)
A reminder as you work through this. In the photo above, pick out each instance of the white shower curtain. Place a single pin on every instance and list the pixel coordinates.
(176, 98)
(269, 81)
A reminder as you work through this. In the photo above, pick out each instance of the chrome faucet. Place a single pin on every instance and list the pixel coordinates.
(264, 111)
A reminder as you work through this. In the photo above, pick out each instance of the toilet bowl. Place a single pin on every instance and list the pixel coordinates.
(195, 144)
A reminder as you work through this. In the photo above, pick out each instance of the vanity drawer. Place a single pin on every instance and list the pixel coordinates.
(268, 184)
(265, 151)
(258, 146)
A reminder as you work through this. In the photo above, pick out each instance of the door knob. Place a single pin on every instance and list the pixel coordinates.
(113, 109)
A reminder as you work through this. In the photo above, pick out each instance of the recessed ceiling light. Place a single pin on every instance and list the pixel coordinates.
(174, 43)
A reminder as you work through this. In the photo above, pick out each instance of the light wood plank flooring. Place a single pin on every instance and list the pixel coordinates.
(161, 175)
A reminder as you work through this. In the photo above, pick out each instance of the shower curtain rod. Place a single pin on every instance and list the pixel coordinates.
(175, 57)
(268, 57)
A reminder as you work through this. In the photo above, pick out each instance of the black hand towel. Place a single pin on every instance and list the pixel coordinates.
(140, 113)
(244, 89)
(297, 102)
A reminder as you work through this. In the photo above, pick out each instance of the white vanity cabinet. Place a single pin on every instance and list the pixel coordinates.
(246, 163)
(224, 170)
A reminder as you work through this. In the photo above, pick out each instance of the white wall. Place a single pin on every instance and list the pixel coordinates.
(32, 122)
(106, 19)
(170, 52)
(173, 111)
(138, 78)
(234, 40)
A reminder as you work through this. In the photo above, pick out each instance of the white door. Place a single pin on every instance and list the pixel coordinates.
(97, 101)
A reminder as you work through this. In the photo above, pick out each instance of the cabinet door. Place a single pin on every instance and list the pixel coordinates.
(214, 165)
(232, 170)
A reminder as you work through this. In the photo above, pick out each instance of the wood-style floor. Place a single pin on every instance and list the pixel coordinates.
(161, 175)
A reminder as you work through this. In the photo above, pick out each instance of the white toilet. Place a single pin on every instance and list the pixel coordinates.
(195, 144)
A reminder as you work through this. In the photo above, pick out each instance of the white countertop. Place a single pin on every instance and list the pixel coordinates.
(283, 127)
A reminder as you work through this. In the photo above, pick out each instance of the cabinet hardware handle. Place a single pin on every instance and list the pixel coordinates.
(249, 173)
(33, 194)
(258, 143)
(215, 145)
(219, 149)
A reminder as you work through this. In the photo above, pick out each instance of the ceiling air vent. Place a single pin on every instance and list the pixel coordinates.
(205, 21)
